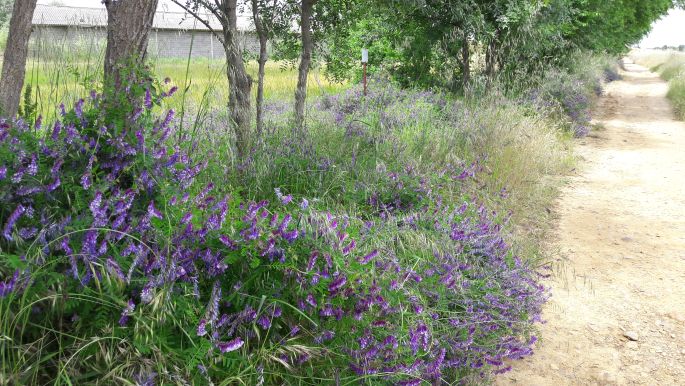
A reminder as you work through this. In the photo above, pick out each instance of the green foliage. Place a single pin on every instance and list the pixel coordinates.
(29, 109)
(5, 12)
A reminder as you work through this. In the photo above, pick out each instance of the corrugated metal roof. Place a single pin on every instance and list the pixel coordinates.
(58, 15)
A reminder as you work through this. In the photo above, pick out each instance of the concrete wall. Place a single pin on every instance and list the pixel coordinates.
(49, 40)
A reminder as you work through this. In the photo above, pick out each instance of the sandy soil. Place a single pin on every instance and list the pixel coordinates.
(617, 313)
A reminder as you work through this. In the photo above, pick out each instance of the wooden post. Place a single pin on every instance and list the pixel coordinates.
(365, 60)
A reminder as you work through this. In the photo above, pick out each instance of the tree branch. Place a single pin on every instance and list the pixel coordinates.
(199, 18)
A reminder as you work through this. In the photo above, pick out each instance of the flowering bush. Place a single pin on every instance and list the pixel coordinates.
(119, 242)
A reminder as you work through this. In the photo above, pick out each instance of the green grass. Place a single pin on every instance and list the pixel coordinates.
(55, 82)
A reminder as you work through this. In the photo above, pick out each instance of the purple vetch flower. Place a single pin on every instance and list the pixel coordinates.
(284, 199)
(148, 99)
(54, 184)
(311, 300)
(78, 108)
(212, 313)
(410, 382)
(312, 260)
(56, 130)
(12, 220)
(114, 269)
(128, 311)
(153, 212)
(86, 181)
(337, 284)
(29, 190)
(304, 204)
(54, 171)
(146, 294)
(186, 218)
(27, 233)
(225, 240)
(372, 255)
(98, 210)
(231, 345)
(39, 123)
(264, 322)
(349, 247)
(8, 286)
(418, 338)
(202, 327)
(3, 172)
(32, 169)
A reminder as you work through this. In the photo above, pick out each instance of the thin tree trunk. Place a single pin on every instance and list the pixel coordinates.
(465, 63)
(240, 83)
(128, 28)
(16, 51)
(263, 57)
(491, 58)
(305, 60)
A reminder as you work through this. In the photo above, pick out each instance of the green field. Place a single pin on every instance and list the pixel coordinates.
(202, 82)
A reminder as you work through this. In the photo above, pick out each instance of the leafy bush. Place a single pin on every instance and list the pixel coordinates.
(572, 90)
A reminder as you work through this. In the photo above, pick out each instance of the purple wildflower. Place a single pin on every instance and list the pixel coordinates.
(337, 284)
(114, 269)
(148, 99)
(128, 311)
(153, 212)
(8, 286)
(264, 322)
(369, 257)
(202, 327)
(12, 220)
(231, 345)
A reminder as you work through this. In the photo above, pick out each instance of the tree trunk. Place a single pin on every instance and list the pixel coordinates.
(239, 82)
(305, 60)
(128, 27)
(491, 58)
(465, 64)
(16, 51)
(263, 57)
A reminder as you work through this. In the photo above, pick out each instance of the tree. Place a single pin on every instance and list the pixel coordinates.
(265, 17)
(16, 51)
(239, 82)
(128, 28)
(306, 12)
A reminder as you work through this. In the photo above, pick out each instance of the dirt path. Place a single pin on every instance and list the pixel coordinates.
(620, 248)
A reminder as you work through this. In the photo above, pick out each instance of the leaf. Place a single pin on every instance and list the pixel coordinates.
(15, 262)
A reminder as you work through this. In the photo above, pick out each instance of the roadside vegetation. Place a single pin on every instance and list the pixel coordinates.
(151, 235)
(670, 65)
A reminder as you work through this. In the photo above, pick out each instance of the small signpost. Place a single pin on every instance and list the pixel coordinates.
(365, 60)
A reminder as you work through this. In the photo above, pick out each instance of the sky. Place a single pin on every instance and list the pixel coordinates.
(670, 30)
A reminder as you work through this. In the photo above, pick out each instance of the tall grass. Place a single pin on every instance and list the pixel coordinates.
(63, 71)
(670, 65)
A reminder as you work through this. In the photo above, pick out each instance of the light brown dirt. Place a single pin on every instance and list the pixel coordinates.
(620, 251)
